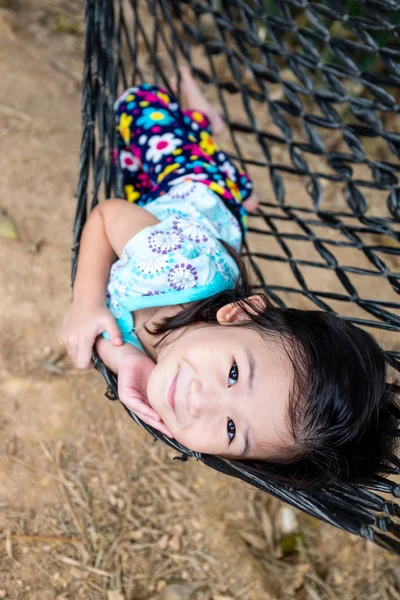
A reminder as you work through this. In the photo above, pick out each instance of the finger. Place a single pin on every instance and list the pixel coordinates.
(113, 331)
(138, 406)
(84, 354)
(156, 424)
(71, 347)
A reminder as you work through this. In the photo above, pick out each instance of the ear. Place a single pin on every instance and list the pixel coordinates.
(231, 313)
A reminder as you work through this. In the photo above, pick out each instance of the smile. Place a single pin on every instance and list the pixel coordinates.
(171, 393)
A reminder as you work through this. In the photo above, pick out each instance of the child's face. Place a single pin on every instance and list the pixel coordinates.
(230, 385)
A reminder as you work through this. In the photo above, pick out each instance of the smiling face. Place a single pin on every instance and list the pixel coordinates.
(229, 389)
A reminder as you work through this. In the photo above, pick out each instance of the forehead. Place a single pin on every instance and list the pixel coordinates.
(265, 408)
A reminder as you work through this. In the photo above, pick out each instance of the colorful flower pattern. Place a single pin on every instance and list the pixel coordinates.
(160, 145)
(129, 161)
(170, 146)
(207, 143)
(151, 117)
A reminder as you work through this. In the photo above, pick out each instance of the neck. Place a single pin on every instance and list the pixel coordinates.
(147, 318)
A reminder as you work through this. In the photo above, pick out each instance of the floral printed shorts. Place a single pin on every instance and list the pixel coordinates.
(159, 145)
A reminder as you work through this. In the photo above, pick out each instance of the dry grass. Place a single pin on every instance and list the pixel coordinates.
(91, 508)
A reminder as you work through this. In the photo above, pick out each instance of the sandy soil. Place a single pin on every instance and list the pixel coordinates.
(91, 508)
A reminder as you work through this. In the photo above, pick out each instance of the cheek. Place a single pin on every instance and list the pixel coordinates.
(155, 386)
(193, 439)
(199, 439)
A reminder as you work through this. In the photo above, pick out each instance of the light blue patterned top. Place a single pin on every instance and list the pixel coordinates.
(176, 261)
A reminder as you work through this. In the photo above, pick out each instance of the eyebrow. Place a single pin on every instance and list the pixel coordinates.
(252, 368)
(247, 446)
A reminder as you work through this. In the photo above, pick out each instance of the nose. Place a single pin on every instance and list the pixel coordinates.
(201, 399)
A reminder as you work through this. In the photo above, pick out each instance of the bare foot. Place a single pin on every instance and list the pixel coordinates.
(195, 100)
(251, 203)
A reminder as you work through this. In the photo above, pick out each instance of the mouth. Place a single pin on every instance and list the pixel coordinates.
(171, 393)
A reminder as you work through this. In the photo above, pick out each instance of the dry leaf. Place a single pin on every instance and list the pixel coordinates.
(297, 581)
(78, 573)
(252, 539)
(289, 545)
(8, 544)
(115, 595)
(312, 593)
(267, 527)
(7, 227)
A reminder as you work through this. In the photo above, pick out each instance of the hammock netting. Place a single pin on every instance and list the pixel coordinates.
(310, 94)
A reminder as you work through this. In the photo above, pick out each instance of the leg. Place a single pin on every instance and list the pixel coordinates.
(201, 116)
(150, 127)
(160, 136)
(135, 181)
(251, 203)
(194, 100)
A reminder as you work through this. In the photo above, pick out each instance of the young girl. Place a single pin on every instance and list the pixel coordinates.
(301, 395)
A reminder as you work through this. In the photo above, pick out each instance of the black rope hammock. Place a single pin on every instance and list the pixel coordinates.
(309, 91)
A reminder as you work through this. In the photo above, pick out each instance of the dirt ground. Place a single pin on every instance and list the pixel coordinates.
(90, 506)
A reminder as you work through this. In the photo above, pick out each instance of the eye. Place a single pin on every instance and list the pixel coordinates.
(233, 374)
(231, 428)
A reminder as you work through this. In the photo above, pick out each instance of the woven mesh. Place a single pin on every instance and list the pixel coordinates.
(310, 94)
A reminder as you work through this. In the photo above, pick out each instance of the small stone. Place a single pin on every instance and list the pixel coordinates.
(115, 595)
(161, 584)
(174, 543)
(337, 576)
(177, 529)
(163, 542)
(196, 524)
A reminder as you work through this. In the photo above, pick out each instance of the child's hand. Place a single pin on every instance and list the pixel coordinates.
(83, 323)
(133, 374)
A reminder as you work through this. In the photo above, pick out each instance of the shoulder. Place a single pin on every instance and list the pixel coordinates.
(180, 252)
(122, 221)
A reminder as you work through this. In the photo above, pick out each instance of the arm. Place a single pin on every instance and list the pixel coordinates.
(109, 227)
